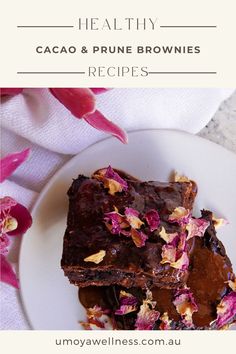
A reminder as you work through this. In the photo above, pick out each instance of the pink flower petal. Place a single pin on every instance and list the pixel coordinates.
(111, 180)
(182, 262)
(115, 222)
(4, 243)
(180, 216)
(11, 162)
(168, 254)
(197, 227)
(185, 305)
(165, 322)
(124, 309)
(6, 204)
(7, 274)
(147, 316)
(226, 310)
(97, 319)
(111, 174)
(132, 217)
(10, 91)
(153, 219)
(175, 253)
(126, 225)
(98, 121)
(23, 217)
(168, 238)
(232, 284)
(98, 90)
(128, 303)
(79, 101)
(218, 222)
(127, 298)
(138, 237)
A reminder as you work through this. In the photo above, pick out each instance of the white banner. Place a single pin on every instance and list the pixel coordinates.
(177, 342)
(121, 43)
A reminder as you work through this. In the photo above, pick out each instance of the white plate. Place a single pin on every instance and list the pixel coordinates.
(50, 301)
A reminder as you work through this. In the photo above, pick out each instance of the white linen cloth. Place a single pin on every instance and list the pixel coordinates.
(37, 120)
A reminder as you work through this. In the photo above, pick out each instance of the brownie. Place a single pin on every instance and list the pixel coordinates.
(209, 271)
(124, 264)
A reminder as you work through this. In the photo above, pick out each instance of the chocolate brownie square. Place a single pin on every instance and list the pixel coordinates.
(112, 230)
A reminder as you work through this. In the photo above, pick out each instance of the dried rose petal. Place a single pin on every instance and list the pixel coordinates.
(126, 225)
(127, 298)
(100, 122)
(165, 322)
(168, 254)
(7, 274)
(138, 237)
(218, 222)
(196, 227)
(132, 216)
(111, 174)
(128, 303)
(182, 260)
(96, 257)
(167, 237)
(185, 305)
(10, 91)
(182, 263)
(112, 185)
(147, 316)
(97, 319)
(118, 224)
(180, 241)
(115, 222)
(175, 253)
(111, 180)
(153, 219)
(232, 284)
(125, 309)
(226, 310)
(181, 178)
(180, 215)
(11, 162)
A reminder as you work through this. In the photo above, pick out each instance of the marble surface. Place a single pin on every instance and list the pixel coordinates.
(222, 127)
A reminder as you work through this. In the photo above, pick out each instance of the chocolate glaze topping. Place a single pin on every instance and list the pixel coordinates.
(209, 270)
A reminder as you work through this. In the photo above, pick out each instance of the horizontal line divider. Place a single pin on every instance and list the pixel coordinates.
(50, 72)
(45, 26)
(188, 26)
(182, 72)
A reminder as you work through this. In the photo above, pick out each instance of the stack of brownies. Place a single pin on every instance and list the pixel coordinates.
(141, 260)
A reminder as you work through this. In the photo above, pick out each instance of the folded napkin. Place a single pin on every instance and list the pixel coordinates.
(37, 120)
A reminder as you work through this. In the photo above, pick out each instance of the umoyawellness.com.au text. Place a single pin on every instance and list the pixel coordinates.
(111, 341)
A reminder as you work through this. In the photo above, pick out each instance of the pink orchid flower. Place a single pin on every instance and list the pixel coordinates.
(15, 219)
(81, 102)
(10, 91)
